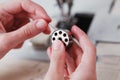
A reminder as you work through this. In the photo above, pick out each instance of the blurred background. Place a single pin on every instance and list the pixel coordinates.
(99, 19)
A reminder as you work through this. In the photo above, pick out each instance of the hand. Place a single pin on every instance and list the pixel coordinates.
(15, 24)
(78, 63)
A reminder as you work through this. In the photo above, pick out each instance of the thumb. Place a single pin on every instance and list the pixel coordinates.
(30, 30)
(27, 31)
(57, 62)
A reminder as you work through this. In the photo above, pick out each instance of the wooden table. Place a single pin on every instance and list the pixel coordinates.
(22, 69)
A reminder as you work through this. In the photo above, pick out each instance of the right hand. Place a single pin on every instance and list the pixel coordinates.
(15, 24)
(80, 60)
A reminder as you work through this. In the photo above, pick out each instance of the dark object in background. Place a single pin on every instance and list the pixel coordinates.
(65, 24)
(82, 20)
(68, 2)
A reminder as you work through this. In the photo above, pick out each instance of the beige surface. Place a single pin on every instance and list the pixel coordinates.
(108, 64)
(17, 69)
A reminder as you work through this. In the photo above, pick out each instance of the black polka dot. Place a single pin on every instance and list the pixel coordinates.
(64, 35)
(66, 40)
(60, 32)
(60, 38)
(55, 34)
(53, 38)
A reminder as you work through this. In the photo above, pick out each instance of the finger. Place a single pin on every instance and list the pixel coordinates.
(29, 30)
(2, 30)
(66, 73)
(76, 53)
(88, 60)
(19, 45)
(57, 62)
(88, 48)
(70, 64)
(34, 10)
(21, 19)
(49, 52)
(47, 31)
(75, 50)
(19, 23)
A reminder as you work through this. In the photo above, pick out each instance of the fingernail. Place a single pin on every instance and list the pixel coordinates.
(57, 45)
(40, 24)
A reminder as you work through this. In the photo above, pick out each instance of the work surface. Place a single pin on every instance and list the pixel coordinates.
(108, 61)
(17, 69)
(108, 65)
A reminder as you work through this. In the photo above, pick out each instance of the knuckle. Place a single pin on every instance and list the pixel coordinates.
(5, 46)
(27, 33)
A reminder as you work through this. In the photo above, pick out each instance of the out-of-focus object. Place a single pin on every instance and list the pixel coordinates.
(62, 35)
(40, 41)
(105, 27)
(66, 21)
(69, 3)
(115, 9)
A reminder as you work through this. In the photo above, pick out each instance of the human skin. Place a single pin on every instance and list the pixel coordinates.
(15, 24)
(15, 28)
(80, 59)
